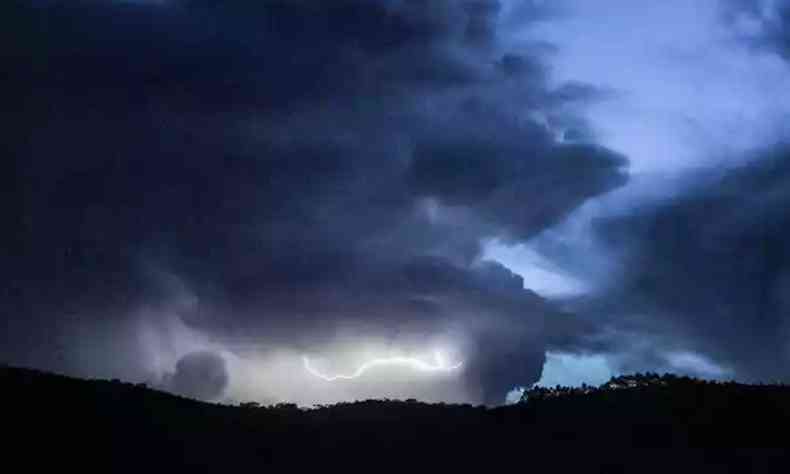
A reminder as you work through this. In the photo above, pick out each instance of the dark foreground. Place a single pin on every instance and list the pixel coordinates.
(680, 426)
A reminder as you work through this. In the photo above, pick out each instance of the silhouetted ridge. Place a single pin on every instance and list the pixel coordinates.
(647, 422)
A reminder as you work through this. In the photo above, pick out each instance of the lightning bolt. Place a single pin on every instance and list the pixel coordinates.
(410, 362)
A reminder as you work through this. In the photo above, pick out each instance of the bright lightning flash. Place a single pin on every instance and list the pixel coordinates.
(410, 362)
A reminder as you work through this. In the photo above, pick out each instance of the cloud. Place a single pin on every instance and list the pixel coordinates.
(708, 272)
(200, 375)
(300, 169)
(693, 96)
(763, 23)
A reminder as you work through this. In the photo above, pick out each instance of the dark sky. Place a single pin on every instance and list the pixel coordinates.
(202, 192)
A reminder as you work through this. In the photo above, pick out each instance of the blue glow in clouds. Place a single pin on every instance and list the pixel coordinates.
(514, 396)
(573, 370)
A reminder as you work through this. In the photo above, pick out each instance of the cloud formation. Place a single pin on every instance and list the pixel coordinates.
(708, 272)
(301, 170)
(202, 375)
(763, 23)
(701, 275)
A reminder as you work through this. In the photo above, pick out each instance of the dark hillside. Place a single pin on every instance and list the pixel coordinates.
(654, 425)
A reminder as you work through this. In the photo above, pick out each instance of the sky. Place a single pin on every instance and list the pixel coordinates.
(312, 202)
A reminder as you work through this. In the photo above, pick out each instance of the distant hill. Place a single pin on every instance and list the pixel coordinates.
(643, 423)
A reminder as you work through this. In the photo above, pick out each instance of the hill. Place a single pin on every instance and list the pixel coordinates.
(648, 423)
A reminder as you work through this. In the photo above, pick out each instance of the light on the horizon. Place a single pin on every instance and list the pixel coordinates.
(439, 366)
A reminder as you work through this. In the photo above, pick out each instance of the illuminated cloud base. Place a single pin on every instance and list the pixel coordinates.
(413, 363)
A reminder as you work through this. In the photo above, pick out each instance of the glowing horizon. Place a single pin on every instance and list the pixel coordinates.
(411, 362)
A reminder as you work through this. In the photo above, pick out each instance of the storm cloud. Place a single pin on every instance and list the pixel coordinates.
(275, 174)
(201, 375)
(699, 276)
(708, 271)
(763, 23)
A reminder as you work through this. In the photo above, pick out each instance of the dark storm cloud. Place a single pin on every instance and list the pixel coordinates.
(704, 271)
(701, 274)
(765, 24)
(296, 164)
(710, 270)
(200, 375)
